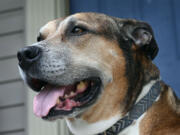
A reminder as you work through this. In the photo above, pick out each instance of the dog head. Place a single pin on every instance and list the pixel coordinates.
(88, 65)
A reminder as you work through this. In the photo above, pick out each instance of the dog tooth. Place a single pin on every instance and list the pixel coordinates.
(42, 88)
(72, 93)
(58, 101)
(66, 96)
(81, 86)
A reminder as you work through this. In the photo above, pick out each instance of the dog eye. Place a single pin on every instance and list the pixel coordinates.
(78, 30)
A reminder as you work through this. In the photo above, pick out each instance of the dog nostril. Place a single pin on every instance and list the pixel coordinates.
(31, 54)
(28, 53)
(28, 56)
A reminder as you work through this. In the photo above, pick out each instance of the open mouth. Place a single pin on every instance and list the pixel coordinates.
(53, 101)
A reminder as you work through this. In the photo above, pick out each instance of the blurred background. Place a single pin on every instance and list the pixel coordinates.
(20, 21)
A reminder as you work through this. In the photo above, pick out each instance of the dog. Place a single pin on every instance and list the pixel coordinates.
(96, 72)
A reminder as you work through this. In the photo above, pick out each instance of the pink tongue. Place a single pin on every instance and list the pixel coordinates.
(45, 100)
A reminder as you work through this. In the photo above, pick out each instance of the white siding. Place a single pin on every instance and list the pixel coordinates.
(9, 69)
(9, 44)
(11, 94)
(11, 21)
(12, 118)
(18, 132)
(10, 5)
(12, 90)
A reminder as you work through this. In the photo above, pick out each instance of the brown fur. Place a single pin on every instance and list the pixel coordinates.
(92, 47)
(116, 89)
(48, 29)
(163, 118)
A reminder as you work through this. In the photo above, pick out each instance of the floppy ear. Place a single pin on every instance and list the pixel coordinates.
(141, 35)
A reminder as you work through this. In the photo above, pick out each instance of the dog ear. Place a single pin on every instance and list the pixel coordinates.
(141, 34)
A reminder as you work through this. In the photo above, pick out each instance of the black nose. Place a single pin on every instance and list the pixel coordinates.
(28, 55)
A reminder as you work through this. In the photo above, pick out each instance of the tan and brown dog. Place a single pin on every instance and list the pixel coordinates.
(91, 69)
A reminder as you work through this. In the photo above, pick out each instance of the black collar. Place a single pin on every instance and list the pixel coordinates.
(137, 110)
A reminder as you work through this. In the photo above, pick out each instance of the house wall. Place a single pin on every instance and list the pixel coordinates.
(12, 94)
(20, 21)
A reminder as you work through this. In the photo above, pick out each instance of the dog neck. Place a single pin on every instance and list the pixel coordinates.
(80, 127)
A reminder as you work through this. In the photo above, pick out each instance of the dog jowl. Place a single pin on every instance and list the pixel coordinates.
(92, 69)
